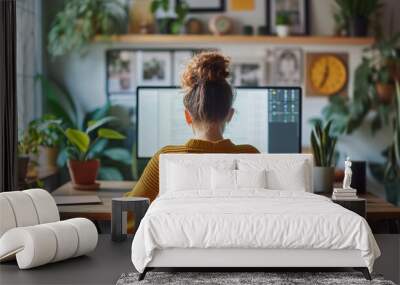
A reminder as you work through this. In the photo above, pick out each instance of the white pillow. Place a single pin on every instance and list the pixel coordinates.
(236, 179)
(223, 179)
(251, 178)
(281, 174)
(189, 176)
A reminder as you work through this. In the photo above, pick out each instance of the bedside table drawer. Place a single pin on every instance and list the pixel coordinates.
(358, 206)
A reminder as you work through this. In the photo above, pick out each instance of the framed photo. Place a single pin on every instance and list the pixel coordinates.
(199, 6)
(121, 69)
(287, 66)
(297, 11)
(180, 59)
(248, 72)
(154, 68)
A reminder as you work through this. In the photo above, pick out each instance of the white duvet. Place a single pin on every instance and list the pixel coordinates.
(250, 219)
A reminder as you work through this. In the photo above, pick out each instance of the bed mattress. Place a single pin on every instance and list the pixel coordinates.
(250, 219)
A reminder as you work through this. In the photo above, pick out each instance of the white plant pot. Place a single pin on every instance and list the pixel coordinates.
(282, 30)
(323, 179)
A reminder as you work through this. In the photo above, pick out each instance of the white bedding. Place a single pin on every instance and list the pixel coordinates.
(250, 219)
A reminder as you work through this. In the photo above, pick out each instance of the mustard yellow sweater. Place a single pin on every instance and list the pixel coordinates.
(148, 186)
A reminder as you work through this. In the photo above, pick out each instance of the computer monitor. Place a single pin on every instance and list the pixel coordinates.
(268, 118)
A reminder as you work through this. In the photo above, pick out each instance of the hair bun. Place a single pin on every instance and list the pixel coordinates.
(203, 67)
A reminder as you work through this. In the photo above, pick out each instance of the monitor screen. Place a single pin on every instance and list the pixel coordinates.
(268, 118)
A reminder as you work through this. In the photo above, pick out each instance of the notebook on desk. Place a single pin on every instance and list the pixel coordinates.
(77, 199)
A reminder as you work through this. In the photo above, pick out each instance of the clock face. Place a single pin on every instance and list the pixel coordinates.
(328, 74)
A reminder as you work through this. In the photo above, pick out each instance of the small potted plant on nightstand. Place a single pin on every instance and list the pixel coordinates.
(282, 24)
(323, 145)
(83, 164)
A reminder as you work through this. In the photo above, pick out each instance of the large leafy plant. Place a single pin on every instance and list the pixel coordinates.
(80, 20)
(378, 65)
(392, 167)
(116, 160)
(323, 144)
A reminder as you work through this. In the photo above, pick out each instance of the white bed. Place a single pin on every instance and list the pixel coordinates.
(228, 218)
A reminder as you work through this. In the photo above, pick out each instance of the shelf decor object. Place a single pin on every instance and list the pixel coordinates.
(297, 12)
(204, 6)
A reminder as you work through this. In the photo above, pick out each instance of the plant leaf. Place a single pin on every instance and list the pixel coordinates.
(79, 139)
(110, 134)
(110, 173)
(58, 102)
(97, 148)
(92, 125)
(118, 154)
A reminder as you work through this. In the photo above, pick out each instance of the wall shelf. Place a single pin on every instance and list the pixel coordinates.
(239, 39)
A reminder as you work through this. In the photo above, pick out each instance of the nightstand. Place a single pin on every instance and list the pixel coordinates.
(357, 205)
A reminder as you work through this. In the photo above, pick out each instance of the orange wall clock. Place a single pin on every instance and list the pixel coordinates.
(326, 74)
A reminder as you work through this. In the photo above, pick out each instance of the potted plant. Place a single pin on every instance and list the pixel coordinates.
(391, 176)
(80, 21)
(169, 24)
(28, 144)
(385, 64)
(356, 14)
(46, 130)
(384, 85)
(282, 24)
(83, 164)
(323, 145)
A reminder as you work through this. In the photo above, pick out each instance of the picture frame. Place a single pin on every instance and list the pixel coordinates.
(180, 59)
(205, 6)
(298, 13)
(246, 72)
(124, 68)
(154, 68)
(120, 71)
(287, 67)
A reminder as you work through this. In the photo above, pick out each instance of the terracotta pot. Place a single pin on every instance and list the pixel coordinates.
(385, 92)
(83, 172)
(48, 157)
(22, 167)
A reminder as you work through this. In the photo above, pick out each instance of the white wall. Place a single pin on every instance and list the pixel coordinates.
(28, 34)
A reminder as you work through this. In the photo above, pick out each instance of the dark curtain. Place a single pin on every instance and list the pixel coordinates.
(8, 97)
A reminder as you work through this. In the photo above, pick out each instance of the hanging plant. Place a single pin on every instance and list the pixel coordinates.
(81, 20)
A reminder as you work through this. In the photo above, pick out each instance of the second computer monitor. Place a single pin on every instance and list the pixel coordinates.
(268, 118)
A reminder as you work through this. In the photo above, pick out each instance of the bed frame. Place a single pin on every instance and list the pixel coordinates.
(246, 258)
(243, 259)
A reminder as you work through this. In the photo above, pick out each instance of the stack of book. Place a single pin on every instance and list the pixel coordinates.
(344, 194)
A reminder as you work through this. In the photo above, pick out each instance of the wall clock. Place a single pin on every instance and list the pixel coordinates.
(326, 74)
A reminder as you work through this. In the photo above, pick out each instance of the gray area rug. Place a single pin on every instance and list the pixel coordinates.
(228, 278)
